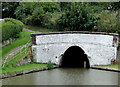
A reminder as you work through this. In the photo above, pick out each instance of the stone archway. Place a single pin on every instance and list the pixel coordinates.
(74, 56)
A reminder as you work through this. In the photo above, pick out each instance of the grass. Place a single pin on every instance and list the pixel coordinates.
(25, 67)
(10, 65)
(23, 39)
(115, 66)
(39, 29)
(12, 61)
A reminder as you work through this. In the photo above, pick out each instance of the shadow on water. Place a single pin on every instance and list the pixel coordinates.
(74, 56)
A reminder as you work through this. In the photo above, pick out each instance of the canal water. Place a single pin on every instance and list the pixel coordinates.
(65, 76)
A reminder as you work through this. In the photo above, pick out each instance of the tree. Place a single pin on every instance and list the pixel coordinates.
(116, 5)
(8, 9)
(77, 17)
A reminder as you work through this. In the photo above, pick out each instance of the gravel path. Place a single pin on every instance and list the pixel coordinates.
(31, 30)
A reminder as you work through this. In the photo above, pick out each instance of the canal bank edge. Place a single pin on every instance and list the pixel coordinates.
(106, 69)
(3, 76)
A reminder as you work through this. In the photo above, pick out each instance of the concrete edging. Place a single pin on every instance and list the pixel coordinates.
(3, 76)
(106, 69)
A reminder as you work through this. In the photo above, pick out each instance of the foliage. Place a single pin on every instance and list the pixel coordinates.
(49, 20)
(77, 18)
(9, 70)
(50, 65)
(11, 28)
(108, 23)
(116, 5)
(33, 13)
(50, 6)
(39, 29)
(9, 9)
(23, 39)
(8, 31)
(19, 25)
(23, 10)
(63, 15)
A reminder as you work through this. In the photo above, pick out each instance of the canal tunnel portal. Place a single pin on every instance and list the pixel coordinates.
(62, 48)
(74, 56)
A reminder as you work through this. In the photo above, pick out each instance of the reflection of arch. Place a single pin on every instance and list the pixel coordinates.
(74, 56)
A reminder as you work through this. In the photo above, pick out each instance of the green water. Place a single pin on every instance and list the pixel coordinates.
(65, 76)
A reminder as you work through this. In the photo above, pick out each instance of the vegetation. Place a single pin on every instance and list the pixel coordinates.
(22, 68)
(49, 17)
(80, 16)
(108, 22)
(64, 16)
(10, 65)
(39, 29)
(77, 18)
(34, 13)
(50, 65)
(11, 62)
(11, 28)
(23, 39)
(114, 66)
(9, 9)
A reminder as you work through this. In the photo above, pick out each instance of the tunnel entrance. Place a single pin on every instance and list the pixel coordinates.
(74, 56)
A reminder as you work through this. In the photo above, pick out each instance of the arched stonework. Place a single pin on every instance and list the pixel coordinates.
(74, 56)
(99, 47)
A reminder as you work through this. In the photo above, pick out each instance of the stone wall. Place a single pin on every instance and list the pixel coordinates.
(100, 47)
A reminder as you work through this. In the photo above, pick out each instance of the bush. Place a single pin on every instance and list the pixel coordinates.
(8, 30)
(19, 25)
(50, 65)
(108, 23)
(49, 20)
(11, 28)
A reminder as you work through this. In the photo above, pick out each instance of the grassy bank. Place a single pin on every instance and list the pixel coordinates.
(10, 65)
(114, 66)
(22, 68)
(23, 39)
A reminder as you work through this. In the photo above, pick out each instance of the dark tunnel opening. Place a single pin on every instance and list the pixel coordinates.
(74, 57)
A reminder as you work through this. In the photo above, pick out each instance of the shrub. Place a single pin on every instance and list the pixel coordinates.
(19, 24)
(108, 23)
(11, 28)
(50, 65)
(28, 20)
(49, 20)
(8, 30)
